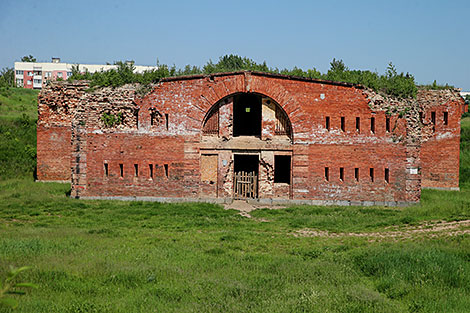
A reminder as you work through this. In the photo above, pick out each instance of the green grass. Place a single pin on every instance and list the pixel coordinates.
(436, 205)
(14, 102)
(18, 115)
(17, 147)
(112, 256)
(117, 256)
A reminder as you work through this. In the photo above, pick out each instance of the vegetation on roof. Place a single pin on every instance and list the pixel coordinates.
(391, 83)
(435, 86)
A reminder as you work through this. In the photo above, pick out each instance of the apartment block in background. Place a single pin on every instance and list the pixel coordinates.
(34, 75)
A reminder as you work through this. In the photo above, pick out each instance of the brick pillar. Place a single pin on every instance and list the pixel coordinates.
(79, 153)
(191, 167)
(300, 170)
(413, 173)
(266, 175)
(225, 175)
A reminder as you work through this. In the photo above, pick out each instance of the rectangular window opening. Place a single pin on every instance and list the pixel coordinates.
(121, 170)
(136, 118)
(343, 126)
(327, 123)
(446, 118)
(151, 171)
(327, 174)
(387, 124)
(136, 170)
(247, 115)
(106, 172)
(166, 170)
(372, 125)
(358, 124)
(356, 174)
(433, 120)
(166, 120)
(341, 173)
(282, 166)
(371, 174)
(387, 175)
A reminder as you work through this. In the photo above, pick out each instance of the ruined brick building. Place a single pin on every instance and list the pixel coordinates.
(248, 135)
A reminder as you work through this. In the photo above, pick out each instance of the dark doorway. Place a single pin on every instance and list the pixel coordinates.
(247, 115)
(282, 169)
(245, 183)
(246, 163)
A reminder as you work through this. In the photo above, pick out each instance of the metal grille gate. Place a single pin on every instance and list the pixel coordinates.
(245, 185)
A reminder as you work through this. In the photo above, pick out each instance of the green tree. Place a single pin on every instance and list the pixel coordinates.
(337, 71)
(233, 63)
(391, 70)
(391, 83)
(337, 66)
(28, 58)
(398, 85)
(7, 77)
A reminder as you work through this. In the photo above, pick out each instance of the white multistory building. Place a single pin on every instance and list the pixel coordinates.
(34, 75)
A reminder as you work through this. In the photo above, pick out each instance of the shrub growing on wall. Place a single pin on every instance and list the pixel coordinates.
(110, 120)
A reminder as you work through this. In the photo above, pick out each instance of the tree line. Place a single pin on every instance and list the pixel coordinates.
(400, 85)
(392, 83)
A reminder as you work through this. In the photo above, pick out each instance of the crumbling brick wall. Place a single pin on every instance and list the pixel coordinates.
(440, 151)
(434, 124)
(57, 103)
(346, 143)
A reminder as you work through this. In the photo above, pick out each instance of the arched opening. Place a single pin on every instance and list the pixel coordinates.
(283, 125)
(211, 122)
(247, 114)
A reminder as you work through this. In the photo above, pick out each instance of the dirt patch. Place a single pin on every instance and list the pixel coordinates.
(428, 229)
(245, 208)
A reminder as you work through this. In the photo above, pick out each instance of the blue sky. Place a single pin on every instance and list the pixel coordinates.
(429, 39)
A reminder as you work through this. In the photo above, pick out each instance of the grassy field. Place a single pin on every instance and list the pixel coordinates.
(18, 115)
(15, 102)
(111, 256)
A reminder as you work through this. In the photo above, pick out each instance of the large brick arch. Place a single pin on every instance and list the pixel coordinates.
(216, 105)
(217, 89)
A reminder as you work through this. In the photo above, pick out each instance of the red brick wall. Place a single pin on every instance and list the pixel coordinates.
(128, 150)
(56, 104)
(174, 137)
(440, 163)
(364, 157)
(440, 150)
(53, 153)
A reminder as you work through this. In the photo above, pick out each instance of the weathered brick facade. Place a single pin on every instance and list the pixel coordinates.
(305, 140)
(440, 152)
